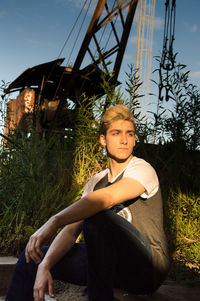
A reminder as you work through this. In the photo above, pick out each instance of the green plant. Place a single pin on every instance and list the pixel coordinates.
(178, 119)
(34, 178)
(184, 212)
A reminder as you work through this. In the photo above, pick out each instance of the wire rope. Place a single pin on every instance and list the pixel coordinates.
(70, 33)
(168, 37)
(64, 45)
(79, 32)
(60, 81)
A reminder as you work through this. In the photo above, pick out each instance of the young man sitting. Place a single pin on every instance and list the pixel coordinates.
(121, 216)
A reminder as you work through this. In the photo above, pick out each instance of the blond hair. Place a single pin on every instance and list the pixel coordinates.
(118, 112)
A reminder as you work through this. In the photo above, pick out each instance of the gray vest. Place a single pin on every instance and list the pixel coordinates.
(147, 217)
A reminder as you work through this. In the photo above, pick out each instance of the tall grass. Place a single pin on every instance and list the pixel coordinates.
(35, 176)
(185, 222)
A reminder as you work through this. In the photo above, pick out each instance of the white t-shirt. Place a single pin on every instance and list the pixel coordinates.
(137, 169)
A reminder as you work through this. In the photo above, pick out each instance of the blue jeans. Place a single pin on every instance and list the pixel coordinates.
(114, 254)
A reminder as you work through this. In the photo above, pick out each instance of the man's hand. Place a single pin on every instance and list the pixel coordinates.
(38, 239)
(43, 279)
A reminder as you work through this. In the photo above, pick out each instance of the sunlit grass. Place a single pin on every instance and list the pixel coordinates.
(184, 212)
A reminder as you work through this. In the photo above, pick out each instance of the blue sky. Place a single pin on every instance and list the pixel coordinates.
(33, 32)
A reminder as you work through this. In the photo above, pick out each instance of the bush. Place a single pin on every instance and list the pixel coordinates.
(35, 176)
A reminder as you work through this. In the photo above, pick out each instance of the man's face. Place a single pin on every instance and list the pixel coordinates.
(119, 140)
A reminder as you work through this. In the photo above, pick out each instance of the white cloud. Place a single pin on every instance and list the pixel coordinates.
(195, 74)
(78, 3)
(194, 28)
(158, 23)
(133, 40)
(128, 57)
(191, 28)
(3, 13)
(33, 41)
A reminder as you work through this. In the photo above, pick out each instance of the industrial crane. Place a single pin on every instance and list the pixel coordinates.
(54, 84)
(49, 86)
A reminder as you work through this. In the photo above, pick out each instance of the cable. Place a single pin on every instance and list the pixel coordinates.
(53, 67)
(168, 38)
(168, 58)
(66, 41)
(79, 32)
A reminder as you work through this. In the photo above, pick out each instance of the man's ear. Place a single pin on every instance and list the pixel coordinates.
(102, 140)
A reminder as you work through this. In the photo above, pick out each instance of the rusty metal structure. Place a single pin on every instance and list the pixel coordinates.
(20, 111)
(54, 84)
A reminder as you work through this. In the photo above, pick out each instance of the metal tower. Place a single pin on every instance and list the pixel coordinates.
(144, 51)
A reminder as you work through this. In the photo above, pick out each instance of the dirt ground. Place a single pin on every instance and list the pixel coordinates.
(169, 291)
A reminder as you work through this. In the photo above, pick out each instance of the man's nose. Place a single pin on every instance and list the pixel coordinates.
(124, 139)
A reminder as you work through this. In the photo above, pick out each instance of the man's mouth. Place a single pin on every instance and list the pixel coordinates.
(123, 148)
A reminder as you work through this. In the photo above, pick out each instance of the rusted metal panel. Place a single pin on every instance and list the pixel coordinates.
(34, 76)
(20, 111)
(56, 78)
(48, 110)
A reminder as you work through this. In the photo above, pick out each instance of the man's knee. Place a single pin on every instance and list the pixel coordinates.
(21, 260)
(22, 264)
(99, 218)
(102, 221)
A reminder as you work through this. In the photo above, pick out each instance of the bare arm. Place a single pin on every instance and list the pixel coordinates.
(89, 205)
(99, 200)
(62, 243)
